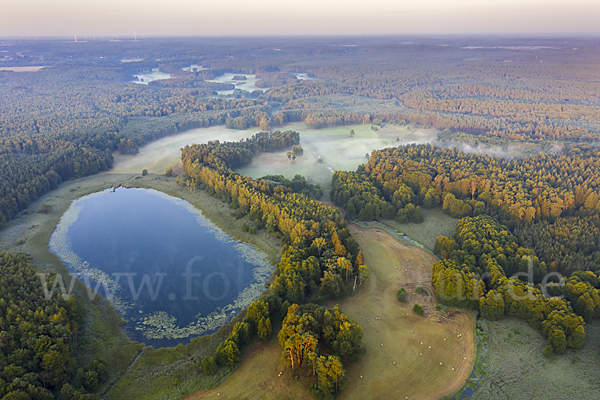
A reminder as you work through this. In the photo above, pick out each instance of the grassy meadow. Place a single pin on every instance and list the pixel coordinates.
(334, 145)
(336, 148)
(401, 331)
(516, 369)
(158, 155)
(257, 377)
(436, 222)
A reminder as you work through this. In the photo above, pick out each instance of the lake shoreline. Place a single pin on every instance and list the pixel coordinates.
(29, 233)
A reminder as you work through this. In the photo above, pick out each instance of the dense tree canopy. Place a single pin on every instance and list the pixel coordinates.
(36, 332)
(538, 187)
(477, 270)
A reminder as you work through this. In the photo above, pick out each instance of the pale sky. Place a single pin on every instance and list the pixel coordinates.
(305, 17)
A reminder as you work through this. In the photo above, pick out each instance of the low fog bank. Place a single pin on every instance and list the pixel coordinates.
(511, 151)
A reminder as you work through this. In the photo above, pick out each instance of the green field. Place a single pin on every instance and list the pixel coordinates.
(162, 153)
(337, 149)
(436, 222)
(516, 368)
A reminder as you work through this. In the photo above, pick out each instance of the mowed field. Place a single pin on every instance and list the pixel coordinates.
(258, 378)
(431, 361)
(417, 373)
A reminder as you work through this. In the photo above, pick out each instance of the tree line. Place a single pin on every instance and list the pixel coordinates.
(538, 187)
(319, 258)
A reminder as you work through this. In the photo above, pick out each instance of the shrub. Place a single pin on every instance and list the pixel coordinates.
(144, 172)
(245, 227)
(419, 289)
(209, 366)
(418, 309)
(45, 208)
(401, 295)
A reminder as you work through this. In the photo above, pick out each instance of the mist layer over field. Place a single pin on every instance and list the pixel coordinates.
(160, 154)
(335, 146)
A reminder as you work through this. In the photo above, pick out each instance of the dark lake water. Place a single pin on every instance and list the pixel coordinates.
(167, 269)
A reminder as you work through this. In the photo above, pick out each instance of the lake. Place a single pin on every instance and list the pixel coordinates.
(167, 269)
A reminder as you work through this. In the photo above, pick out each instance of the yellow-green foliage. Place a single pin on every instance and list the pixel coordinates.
(480, 244)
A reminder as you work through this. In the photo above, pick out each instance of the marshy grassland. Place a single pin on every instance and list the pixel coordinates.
(516, 369)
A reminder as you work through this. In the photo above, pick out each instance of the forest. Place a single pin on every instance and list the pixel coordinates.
(476, 272)
(542, 210)
(549, 203)
(66, 135)
(39, 338)
(64, 121)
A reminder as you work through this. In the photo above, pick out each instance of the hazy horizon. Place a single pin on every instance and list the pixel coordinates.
(23, 18)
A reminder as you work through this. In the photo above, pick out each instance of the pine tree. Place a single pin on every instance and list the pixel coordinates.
(350, 211)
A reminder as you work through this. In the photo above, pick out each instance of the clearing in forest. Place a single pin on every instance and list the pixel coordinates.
(417, 373)
(433, 354)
